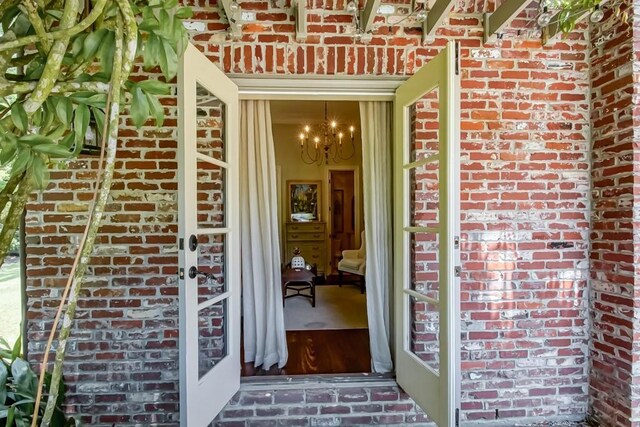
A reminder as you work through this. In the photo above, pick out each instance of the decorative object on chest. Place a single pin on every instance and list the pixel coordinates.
(310, 239)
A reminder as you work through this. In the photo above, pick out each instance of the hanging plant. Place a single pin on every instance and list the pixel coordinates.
(64, 65)
(566, 13)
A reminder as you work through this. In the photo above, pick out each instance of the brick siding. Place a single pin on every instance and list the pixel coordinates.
(614, 267)
(525, 202)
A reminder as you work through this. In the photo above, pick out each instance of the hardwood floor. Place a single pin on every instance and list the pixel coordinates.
(340, 351)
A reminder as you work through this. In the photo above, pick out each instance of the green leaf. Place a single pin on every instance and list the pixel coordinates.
(90, 98)
(49, 108)
(9, 18)
(10, 416)
(157, 110)
(35, 139)
(166, 24)
(17, 348)
(21, 26)
(68, 141)
(92, 43)
(53, 150)
(152, 51)
(139, 108)
(149, 21)
(19, 116)
(168, 61)
(77, 45)
(64, 110)
(154, 87)
(107, 49)
(24, 378)
(169, 4)
(98, 116)
(7, 153)
(56, 133)
(180, 37)
(184, 13)
(81, 121)
(4, 373)
(33, 70)
(37, 116)
(20, 422)
(55, 13)
(21, 162)
(40, 172)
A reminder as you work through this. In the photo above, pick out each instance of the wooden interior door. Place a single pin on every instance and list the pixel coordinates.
(342, 208)
(426, 229)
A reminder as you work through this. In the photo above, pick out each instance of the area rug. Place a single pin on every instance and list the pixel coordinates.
(336, 308)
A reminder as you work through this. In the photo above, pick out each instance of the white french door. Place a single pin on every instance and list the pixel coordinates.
(209, 239)
(426, 230)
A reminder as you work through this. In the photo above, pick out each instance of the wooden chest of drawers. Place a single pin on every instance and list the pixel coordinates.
(310, 238)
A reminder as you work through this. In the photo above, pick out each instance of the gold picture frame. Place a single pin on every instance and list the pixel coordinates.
(304, 200)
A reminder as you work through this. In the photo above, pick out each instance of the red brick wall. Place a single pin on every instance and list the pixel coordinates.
(614, 267)
(525, 202)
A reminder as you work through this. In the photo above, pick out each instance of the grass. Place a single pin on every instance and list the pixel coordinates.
(10, 301)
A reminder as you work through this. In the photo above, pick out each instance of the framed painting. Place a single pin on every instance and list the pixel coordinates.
(304, 200)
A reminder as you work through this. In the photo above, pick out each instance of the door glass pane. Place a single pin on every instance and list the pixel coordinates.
(424, 144)
(424, 263)
(424, 339)
(212, 342)
(211, 181)
(211, 262)
(210, 123)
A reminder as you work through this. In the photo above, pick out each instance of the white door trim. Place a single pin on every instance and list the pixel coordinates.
(317, 88)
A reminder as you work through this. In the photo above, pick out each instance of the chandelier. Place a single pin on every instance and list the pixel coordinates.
(326, 142)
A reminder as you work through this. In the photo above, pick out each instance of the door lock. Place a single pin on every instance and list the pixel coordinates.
(193, 242)
(193, 272)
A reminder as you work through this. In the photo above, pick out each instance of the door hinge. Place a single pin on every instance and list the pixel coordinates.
(457, 270)
(457, 59)
(457, 417)
(181, 244)
(181, 272)
(456, 242)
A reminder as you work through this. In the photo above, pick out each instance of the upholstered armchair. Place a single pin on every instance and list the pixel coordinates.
(354, 262)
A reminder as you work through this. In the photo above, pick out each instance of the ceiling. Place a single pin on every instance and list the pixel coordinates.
(346, 113)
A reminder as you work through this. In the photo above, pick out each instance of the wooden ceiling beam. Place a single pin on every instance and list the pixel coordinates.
(368, 15)
(435, 16)
(495, 22)
(300, 10)
(233, 16)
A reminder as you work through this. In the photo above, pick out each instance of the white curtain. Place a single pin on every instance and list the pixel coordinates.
(265, 341)
(375, 121)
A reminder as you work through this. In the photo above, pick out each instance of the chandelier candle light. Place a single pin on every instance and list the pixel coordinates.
(328, 142)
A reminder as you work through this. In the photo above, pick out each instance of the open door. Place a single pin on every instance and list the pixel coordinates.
(209, 239)
(426, 230)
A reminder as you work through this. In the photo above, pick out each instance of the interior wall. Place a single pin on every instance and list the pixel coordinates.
(292, 167)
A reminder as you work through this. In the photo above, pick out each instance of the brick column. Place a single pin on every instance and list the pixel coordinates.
(615, 236)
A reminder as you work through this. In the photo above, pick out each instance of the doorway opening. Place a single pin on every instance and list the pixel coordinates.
(318, 155)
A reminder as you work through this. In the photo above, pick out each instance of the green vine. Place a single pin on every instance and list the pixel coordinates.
(64, 69)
